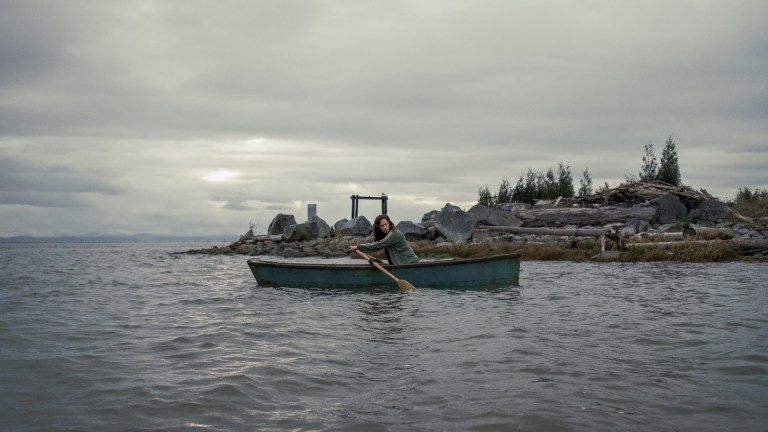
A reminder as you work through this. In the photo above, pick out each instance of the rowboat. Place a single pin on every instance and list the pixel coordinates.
(485, 272)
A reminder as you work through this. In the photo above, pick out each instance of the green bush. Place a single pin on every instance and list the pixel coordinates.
(751, 203)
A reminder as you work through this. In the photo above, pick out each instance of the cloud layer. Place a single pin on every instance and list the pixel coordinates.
(197, 117)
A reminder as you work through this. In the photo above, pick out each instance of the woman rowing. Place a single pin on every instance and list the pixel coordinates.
(389, 238)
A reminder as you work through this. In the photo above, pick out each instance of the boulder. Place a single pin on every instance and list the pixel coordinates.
(710, 210)
(483, 215)
(280, 223)
(743, 231)
(244, 249)
(314, 229)
(359, 226)
(412, 230)
(454, 223)
(669, 209)
(430, 216)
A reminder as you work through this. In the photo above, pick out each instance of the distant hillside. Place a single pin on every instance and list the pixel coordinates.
(119, 238)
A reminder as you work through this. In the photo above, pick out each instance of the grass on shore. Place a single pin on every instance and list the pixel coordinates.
(583, 251)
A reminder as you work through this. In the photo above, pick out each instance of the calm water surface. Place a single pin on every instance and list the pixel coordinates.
(108, 337)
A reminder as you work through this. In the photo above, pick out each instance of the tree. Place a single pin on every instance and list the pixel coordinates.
(564, 181)
(650, 168)
(528, 187)
(586, 183)
(484, 197)
(669, 169)
(532, 186)
(505, 192)
(549, 189)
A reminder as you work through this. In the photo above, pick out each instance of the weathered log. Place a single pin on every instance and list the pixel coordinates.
(704, 233)
(753, 246)
(652, 236)
(582, 216)
(575, 232)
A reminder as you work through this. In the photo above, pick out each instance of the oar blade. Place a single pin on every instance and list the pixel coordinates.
(405, 285)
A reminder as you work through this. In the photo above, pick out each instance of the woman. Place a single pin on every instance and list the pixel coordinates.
(387, 237)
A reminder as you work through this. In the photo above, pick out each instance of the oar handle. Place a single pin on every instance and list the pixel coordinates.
(404, 285)
(372, 261)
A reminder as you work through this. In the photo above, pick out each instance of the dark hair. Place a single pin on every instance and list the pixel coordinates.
(377, 234)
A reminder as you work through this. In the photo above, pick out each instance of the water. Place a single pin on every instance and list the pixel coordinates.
(102, 337)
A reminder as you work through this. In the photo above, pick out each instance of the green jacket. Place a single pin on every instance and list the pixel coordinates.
(395, 246)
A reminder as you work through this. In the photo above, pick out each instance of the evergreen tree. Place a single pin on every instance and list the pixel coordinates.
(549, 188)
(528, 187)
(484, 197)
(669, 169)
(505, 192)
(650, 168)
(564, 181)
(586, 183)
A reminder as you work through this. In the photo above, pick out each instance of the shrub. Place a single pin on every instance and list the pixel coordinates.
(751, 203)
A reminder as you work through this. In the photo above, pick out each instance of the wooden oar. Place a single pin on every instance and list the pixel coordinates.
(404, 285)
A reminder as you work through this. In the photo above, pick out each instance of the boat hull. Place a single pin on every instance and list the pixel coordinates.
(493, 271)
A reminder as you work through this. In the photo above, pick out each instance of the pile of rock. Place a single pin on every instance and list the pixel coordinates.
(648, 211)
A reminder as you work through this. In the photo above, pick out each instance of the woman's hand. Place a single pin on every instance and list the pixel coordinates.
(351, 249)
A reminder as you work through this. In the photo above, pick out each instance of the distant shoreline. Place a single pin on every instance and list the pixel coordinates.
(133, 238)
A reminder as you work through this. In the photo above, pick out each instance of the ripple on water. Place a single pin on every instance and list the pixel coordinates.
(131, 337)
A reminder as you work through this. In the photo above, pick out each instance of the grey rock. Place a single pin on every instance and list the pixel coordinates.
(412, 230)
(483, 215)
(359, 226)
(294, 253)
(314, 229)
(743, 231)
(280, 223)
(709, 210)
(669, 209)
(454, 224)
(243, 249)
(430, 216)
(513, 206)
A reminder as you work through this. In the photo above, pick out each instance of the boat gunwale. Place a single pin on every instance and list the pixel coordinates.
(257, 261)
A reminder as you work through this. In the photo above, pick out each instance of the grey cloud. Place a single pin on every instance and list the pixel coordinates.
(22, 182)
(426, 101)
(55, 178)
(40, 199)
(237, 205)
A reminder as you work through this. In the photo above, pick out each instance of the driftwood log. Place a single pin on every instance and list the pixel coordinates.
(583, 216)
(704, 233)
(653, 236)
(571, 232)
(639, 192)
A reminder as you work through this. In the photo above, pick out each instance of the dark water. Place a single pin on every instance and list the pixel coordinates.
(130, 337)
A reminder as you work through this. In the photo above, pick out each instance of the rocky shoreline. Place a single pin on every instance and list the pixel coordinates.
(643, 215)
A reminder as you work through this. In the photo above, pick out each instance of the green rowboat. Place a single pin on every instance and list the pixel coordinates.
(485, 272)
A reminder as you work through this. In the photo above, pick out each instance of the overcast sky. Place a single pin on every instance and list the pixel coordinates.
(199, 117)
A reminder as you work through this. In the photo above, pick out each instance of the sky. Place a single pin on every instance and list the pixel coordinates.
(191, 117)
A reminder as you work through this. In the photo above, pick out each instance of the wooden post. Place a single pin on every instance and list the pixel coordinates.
(356, 203)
